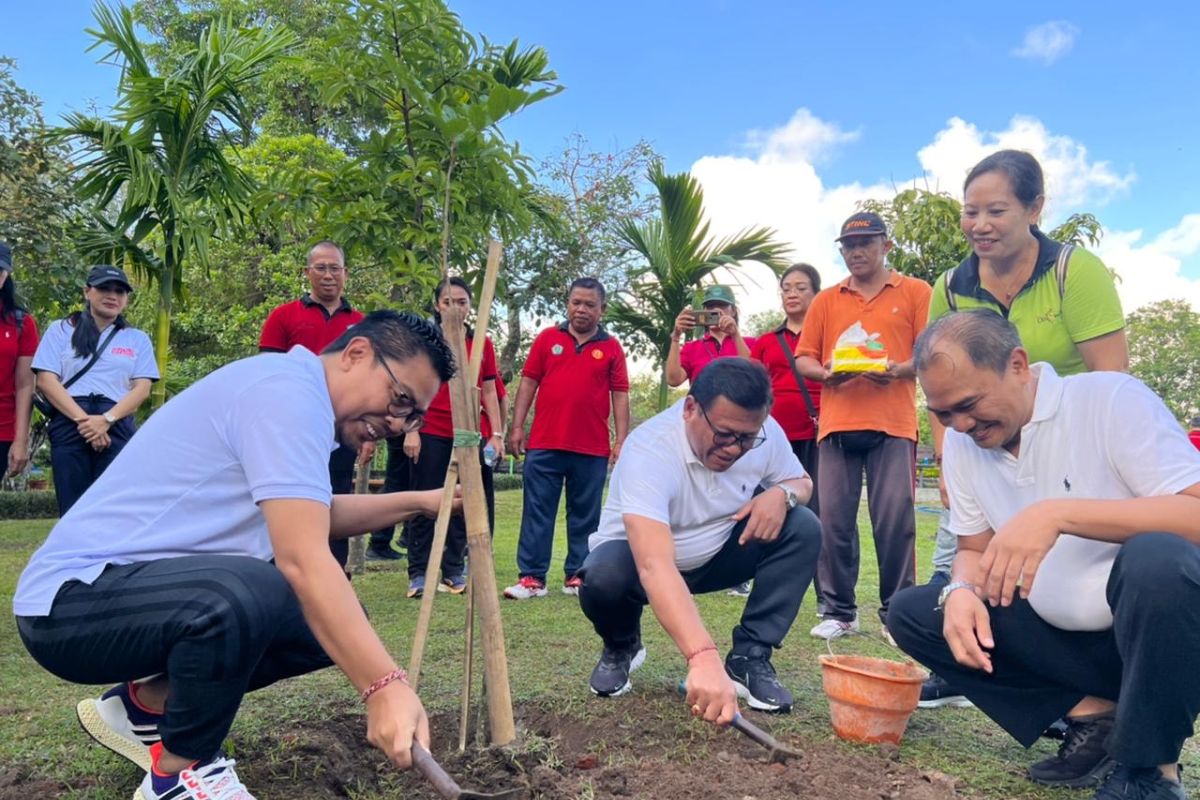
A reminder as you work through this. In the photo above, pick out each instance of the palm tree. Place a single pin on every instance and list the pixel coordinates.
(679, 255)
(156, 174)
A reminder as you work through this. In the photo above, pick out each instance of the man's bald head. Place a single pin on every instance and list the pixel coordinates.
(985, 337)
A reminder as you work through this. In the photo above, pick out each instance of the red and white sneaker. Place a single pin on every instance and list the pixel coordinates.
(572, 585)
(210, 780)
(527, 587)
(119, 722)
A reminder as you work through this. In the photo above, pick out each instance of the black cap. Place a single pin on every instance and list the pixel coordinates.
(107, 274)
(5, 257)
(864, 223)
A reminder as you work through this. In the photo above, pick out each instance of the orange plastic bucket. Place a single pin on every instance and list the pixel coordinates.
(870, 699)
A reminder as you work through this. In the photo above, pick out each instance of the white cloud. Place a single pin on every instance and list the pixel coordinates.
(1047, 42)
(1072, 181)
(1152, 270)
(803, 138)
(780, 185)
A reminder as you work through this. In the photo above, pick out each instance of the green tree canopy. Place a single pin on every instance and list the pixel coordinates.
(1164, 343)
(157, 175)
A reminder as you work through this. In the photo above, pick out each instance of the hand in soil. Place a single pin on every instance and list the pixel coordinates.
(394, 716)
(968, 629)
(710, 694)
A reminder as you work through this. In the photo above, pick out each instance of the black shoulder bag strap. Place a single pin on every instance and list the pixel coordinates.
(95, 357)
(791, 357)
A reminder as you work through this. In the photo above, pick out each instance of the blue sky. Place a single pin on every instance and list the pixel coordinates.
(1105, 98)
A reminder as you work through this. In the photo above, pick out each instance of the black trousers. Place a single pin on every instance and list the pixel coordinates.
(808, 452)
(216, 626)
(430, 473)
(341, 481)
(613, 597)
(1146, 662)
(546, 472)
(398, 478)
(888, 463)
(75, 464)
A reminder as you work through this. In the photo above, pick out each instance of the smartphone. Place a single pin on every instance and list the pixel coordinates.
(706, 318)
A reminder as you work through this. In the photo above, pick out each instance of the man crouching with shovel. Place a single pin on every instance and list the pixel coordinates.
(705, 495)
(201, 556)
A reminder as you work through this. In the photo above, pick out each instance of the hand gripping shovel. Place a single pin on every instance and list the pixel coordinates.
(778, 754)
(446, 786)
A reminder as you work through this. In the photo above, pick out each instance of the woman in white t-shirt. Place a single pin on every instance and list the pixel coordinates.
(95, 403)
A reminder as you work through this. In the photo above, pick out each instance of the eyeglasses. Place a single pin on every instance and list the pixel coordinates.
(858, 243)
(402, 406)
(744, 441)
(794, 289)
(327, 269)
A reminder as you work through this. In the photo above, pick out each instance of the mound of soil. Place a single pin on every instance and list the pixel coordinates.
(606, 757)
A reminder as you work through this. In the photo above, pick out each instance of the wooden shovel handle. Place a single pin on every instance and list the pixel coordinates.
(443, 784)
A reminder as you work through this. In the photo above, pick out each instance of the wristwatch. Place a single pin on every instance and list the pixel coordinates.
(791, 498)
(109, 418)
(948, 588)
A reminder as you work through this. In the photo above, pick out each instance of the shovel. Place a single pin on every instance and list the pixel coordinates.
(446, 786)
(778, 754)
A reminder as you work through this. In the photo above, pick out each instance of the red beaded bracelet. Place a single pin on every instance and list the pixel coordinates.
(394, 675)
(697, 652)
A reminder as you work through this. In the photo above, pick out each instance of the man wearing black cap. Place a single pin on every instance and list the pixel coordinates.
(96, 371)
(868, 421)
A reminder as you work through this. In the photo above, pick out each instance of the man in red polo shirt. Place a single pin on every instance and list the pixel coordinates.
(319, 317)
(684, 361)
(576, 370)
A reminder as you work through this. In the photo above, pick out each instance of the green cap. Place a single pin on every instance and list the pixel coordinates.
(718, 294)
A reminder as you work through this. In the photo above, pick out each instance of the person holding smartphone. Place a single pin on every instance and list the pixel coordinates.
(721, 338)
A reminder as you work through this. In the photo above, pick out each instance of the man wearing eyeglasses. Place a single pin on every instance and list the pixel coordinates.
(706, 495)
(868, 422)
(319, 317)
(201, 556)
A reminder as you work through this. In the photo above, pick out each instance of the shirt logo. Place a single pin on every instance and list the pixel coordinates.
(124, 351)
(1067, 483)
(596, 354)
(557, 349)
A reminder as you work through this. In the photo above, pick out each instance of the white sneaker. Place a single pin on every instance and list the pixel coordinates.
(214, 780)
(119, 724)
(526, 588)
(833, 628)
(887, 636)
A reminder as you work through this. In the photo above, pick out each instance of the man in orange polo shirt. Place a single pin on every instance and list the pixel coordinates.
(868, 421)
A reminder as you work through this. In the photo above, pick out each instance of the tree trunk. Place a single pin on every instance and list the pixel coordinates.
(162, 333)
(512, 339)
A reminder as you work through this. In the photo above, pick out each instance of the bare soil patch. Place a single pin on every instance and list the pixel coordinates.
(605, 757)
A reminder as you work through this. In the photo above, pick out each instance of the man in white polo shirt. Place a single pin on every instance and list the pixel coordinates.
(201, 556)
(706, 495)
(1076, 588)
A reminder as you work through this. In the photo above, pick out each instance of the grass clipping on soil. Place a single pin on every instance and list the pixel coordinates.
(608, 756)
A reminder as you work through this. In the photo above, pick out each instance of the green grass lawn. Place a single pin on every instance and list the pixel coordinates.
(551, 651)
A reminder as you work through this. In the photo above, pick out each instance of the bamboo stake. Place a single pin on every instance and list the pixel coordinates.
(445, 510)
(483, 569)
(356, 561)
(468, 668)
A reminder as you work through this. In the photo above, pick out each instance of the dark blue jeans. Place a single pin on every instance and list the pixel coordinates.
(76, 465)
(545, 473)
(613, 597)
(1146, 661)
(216, 626)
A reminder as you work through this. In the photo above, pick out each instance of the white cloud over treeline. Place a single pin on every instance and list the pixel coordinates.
(777, 181)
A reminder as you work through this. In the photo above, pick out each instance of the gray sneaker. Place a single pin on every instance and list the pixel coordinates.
(610, 678)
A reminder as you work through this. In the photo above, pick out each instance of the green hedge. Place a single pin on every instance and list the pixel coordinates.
(505, 481)
(28, 505)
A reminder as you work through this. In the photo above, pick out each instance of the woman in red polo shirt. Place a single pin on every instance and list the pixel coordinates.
(432, 446)
(795, 412)
(18, 341)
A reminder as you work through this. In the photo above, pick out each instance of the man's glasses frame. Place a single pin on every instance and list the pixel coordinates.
(402, 406)
(744, 441)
